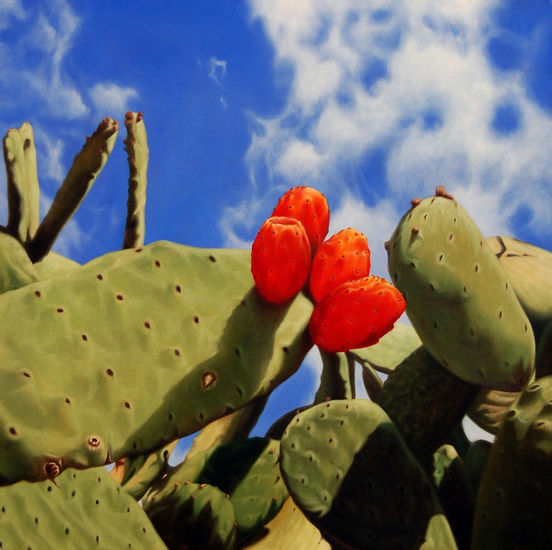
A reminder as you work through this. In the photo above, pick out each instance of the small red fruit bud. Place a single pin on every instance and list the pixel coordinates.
(280, 259)
(343, 257)
(310, 207)
(356, 314)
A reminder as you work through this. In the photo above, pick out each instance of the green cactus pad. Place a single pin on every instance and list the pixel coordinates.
(337, 380)
(489, 408)
(133, 350)
(393, 347)
(345, 464)
(513, 503)
(289, 529)
(455, 492)
(475, 461)
(459, 299)
(425, 402)
(529, 269)
(143, 470)
(54, 265)
(248, 470)
(83, 509)
(16, 269)
(190, 516)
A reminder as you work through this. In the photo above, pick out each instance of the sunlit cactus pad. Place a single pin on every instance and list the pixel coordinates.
(132, 350)
(460, 301)
(83, 509)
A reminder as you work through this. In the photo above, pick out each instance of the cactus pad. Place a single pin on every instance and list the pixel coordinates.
(459, 299)
(345, 463)
(516, 480)
(84, 509)
(134, 350)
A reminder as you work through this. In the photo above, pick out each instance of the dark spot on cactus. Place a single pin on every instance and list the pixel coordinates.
(97, 539)
(178, 288)
(157, 263)
(201, 417)
(84, 337)
(177, 352)
(196, 319)
(465, 290)
(476, 268)
(308, 428)
(170, 417)
(67, 400)
(127, 405)
(67, 530)
(134, 445)
(99, 276)
(500, 314)
(431, 287)
(59, 310)
(146, 324)
(109, 372)
(119, 297)
(36, 520)
(26, 374)
(13, 431)
(212, 259)
(138, 250)
(237, 351)
(412, 265)
(49, 489)
(472, 333)
(441, 256)
(435, 325)
(37, 293)
(73, 493)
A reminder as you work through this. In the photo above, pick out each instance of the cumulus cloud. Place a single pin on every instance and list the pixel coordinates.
(112, 99)
(413, 80)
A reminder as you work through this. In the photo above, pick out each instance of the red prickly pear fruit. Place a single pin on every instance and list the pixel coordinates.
(356, 314)
(310, 207)
(280, 259)
(343, 257)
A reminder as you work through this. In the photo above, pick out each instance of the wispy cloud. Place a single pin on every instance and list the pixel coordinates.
(217, 70)
(10, 9)
(413, 80)
(110, 98)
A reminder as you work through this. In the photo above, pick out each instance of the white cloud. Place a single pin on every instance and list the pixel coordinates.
(9, 9)
(217, 70)
(111, 99)
(409, 78)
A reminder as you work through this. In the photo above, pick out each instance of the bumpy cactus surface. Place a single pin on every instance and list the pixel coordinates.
(116, 360)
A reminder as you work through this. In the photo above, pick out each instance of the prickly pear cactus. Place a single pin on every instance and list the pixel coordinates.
(513, 504)
(425, 401)
(459, 299)
(192, 515)
(350, 472)
(83, 509)
(139, 347)
(529, 268)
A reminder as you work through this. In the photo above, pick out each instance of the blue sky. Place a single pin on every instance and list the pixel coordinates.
(372, 102)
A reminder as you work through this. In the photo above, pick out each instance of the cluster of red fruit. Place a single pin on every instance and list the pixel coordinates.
(352, 309)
